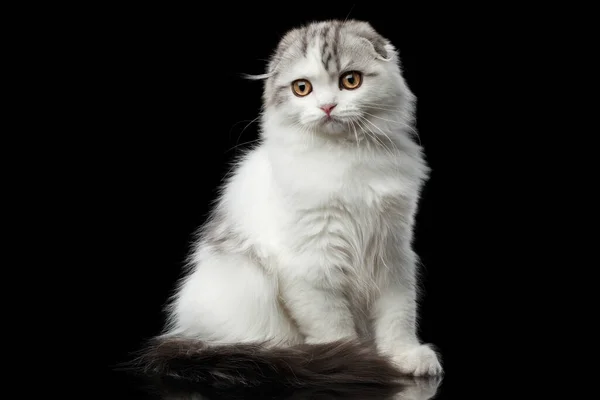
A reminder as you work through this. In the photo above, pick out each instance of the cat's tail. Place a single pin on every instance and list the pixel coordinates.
(315, 366)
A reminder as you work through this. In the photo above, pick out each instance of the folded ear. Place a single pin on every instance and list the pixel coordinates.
(380, 45)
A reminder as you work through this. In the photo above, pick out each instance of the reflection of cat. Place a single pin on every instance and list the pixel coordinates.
(419, 389)
(415, 389)
(308, 251)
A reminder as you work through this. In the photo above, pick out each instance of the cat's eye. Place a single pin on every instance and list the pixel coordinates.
(301, 87)
(351, 80)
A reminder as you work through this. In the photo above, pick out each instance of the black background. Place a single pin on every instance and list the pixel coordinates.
(175, 109)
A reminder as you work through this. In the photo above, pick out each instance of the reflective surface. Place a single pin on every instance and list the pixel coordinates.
(409, 389)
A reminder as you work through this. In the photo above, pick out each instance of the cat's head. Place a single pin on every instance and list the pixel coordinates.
(336, 78)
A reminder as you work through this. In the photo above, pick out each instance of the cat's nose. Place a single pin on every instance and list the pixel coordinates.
(327, 108)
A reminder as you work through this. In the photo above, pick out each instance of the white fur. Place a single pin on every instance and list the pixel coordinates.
(317, 228)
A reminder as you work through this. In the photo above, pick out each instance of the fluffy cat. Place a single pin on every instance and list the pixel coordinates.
(304, 273)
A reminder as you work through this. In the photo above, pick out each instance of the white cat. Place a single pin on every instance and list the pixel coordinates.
(306, 267)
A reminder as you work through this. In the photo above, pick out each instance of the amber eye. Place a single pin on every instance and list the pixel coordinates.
(301, 87)
(351, 80)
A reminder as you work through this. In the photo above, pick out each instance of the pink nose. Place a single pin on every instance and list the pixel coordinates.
(327, 108)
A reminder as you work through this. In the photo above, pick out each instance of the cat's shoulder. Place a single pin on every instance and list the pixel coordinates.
(252, 165)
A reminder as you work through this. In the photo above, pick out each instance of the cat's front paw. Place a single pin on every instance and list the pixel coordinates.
(419, 360)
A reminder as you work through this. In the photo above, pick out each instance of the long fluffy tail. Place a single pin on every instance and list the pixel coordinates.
(192, 363)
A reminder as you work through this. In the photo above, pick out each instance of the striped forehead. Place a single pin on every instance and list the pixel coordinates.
(327, 47)
(313, 51)
(322, 43)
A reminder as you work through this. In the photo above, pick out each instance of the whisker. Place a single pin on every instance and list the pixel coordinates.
(245, 127)
(380, 107)
(356, 136)
(384, 119)
(373, 136)
(241, 144)
(409, 127)
(237, 123)
(383, 133)
(349, 12)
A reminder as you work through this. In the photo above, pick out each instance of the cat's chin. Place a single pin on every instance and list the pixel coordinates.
(332, 126)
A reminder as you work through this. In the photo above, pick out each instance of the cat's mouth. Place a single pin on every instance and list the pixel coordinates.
(332, 125)
(332, 119)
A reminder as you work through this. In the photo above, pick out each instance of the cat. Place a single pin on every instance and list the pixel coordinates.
(304, 273)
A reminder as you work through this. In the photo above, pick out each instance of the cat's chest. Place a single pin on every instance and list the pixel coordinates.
(320, 182)
(357, 211)
(350, 237)
(332, 201)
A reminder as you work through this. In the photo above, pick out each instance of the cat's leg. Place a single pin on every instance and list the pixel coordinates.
(317, 305)
(395, 317)
(229, 298)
